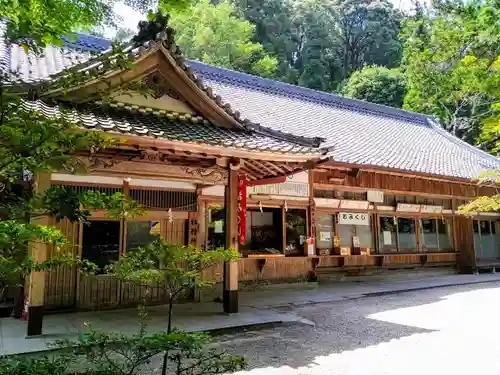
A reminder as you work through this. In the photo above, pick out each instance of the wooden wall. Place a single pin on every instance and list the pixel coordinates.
(60, 283)
(279, 268)
(386, 181)
(66, 288)
(464, 239)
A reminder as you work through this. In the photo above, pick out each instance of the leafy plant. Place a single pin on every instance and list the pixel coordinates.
(100, 353)
(174, 268)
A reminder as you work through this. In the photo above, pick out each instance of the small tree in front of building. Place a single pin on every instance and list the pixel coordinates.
(173, 268)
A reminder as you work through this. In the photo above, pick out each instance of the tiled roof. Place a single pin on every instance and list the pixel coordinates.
(170, 126)
(360, 132)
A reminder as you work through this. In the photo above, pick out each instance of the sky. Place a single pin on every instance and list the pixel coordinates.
(130, 17)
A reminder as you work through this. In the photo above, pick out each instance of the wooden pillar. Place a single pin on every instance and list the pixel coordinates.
(202, 224)
(230, 294)
(39, 252)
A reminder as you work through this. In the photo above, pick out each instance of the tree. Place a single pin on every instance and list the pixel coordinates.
(33, 143)
(450, 60)
(368, 33)
(39, 23)
(171, 267)
(377, 85)
(213, 33)
(318, 43)
(275, 30)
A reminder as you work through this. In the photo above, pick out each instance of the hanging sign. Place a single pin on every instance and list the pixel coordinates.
(155, 228)
(242, 209)
(354, 218)
(355, 242)
(354, 205)
(219, 226)
(408, 207)
(431, 209)
(375, 196)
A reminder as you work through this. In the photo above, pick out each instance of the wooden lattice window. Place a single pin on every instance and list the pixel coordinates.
(176, 200)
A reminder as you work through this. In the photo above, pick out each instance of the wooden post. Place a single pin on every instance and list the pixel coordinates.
(38, 251)
(230, 294)
(202, 224)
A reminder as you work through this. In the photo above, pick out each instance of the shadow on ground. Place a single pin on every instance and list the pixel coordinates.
(365, 323)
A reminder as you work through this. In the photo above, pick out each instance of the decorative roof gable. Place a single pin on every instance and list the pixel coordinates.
(359, 133)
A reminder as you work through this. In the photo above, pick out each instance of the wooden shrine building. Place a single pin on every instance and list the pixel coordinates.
(331, 183)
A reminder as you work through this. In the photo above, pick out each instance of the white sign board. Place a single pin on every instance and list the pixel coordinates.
(354, 218)
(325, 236)
(375, 196)
(292, 189)
(408, 207)
(219, 226)
(387, 237)
(354, 205)
(432, 209)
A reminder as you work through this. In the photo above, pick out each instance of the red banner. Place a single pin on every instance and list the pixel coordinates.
(242, 209)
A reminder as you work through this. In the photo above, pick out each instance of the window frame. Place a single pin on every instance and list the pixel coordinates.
(335, 232)
(491, 224)
(398, 249)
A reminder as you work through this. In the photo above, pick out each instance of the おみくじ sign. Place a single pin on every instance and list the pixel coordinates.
(354, 218)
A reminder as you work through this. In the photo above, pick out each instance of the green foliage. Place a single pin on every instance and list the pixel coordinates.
(176, 266)
(214, 34)
(484, 203)
(318, 43)
(39, 23)
(377, 85)
(450, 58)
(32, 142)
(100, 353)
(30, 366)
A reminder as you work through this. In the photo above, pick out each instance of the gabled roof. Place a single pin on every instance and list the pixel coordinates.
(359, 132)
(186, 128)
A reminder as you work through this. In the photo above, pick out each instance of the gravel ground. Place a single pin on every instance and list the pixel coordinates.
(450, 330)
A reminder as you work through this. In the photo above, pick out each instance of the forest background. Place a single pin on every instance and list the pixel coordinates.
(439, 58)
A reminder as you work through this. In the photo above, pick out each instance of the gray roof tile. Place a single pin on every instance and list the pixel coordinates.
(360, 132)
(127, 120)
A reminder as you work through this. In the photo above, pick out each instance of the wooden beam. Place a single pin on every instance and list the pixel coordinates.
(396, 172)
(263, 166)
(386, 191)
(267, 181)
(161, 144)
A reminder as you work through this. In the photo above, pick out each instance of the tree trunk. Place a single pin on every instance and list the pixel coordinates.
(169, 330)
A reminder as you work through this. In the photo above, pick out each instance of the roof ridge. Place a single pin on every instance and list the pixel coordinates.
(304, 93)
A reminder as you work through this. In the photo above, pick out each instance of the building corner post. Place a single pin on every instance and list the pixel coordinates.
(39, 253)
(230, 294)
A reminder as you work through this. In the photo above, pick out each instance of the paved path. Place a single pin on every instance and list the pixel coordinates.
(257, 308)
(451, 330)
(339, 291)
